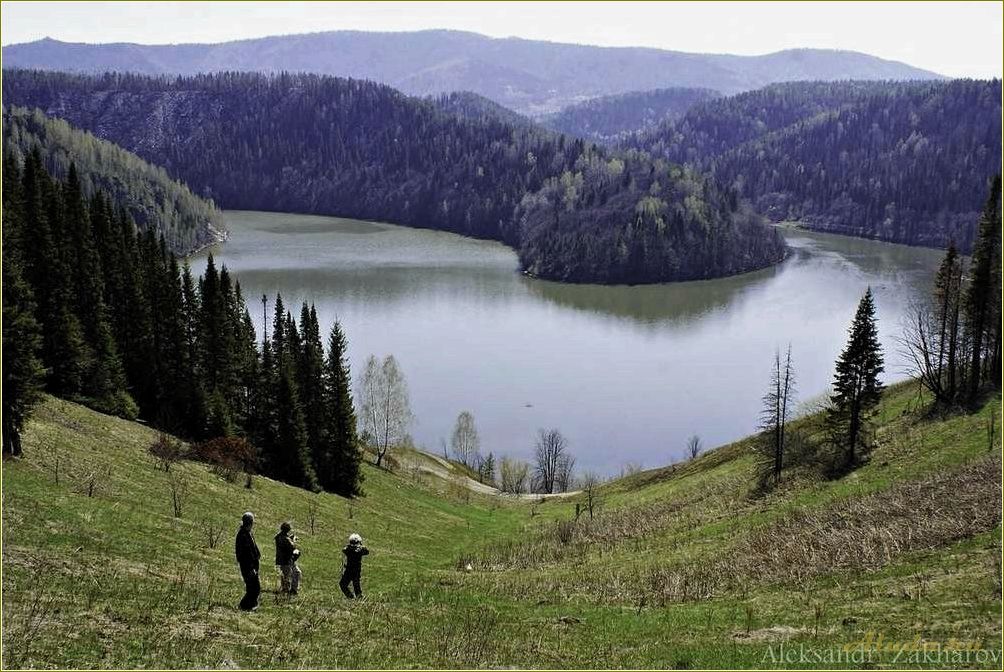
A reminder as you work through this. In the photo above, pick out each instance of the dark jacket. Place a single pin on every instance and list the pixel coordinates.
(246, 549)
(283, 548)
(354, 559)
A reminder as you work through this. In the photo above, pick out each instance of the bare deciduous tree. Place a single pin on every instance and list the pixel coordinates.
(383, 404)
(933, 337)
(465, 440)
(590, 486)
(167, 451)
(94, 481)
(212, 530)
(564, 477)
(513, 474)
(777, 409)
(631, 468)
(550, 450)
(313, 507)
(179, 491)
(694, 446)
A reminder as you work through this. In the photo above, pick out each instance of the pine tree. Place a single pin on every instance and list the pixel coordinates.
(340, 457)
(983, 298)
(856, 388)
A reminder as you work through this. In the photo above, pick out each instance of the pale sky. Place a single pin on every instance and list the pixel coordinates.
(962, 39)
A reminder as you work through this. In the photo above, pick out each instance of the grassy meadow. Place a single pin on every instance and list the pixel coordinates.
(677, 567)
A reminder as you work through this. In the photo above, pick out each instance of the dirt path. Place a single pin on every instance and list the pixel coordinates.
(434, 465)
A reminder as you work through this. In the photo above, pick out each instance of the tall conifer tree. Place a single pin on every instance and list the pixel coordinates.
(856, 387)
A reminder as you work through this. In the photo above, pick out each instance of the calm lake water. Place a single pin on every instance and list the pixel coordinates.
(626, 373)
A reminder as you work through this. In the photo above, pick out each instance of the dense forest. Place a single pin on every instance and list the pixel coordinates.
(905, 162)
(98, 312)
(681, 226)
(608, 119)
(147, 193)
(323, 145)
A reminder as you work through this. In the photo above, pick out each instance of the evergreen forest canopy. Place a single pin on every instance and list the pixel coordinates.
(98, 312)
(608, 119)
(323, 145)
(150, 197)
(906, 162)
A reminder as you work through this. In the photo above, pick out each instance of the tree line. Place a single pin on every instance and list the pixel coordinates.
(151, 198)
(99, 312)
(900, 161)
(326, 145)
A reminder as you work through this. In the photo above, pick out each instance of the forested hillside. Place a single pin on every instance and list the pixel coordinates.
(152, 199)
(905, 162)
(628, 219)
(97, 312)
(303, 143)
(609, 118)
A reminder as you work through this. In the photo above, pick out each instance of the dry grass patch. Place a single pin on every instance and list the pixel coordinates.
(855, 534)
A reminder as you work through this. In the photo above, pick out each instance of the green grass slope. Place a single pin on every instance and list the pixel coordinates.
(679, 567)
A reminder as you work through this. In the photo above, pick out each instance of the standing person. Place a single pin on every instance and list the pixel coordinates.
(353, 569)
(286, 554)
(247, 557)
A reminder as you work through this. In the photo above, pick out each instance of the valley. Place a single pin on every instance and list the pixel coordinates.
(572, 335)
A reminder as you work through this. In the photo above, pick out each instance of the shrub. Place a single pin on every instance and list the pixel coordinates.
(227, 456)
(166, 450)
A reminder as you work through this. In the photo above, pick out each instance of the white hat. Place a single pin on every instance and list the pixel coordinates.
(355, 539)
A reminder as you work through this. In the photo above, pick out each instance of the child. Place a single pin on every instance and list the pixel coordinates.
(352, 571)
(286, 555)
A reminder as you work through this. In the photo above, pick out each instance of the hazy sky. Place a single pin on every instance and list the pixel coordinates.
(952, 38)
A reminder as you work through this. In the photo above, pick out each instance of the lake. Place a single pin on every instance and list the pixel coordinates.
(626, 373)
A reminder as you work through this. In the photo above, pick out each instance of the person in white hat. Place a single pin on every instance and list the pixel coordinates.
(353, 569)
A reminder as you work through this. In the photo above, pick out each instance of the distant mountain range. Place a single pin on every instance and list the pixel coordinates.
(532, 77)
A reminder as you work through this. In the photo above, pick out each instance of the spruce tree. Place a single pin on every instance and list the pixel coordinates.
(856, 388)
(309, 370)
(947, 304)
(293, 462)
(340, 457)
(105, 378)
(983, 298)
(22, 341)
(65, 350)
(195, 392)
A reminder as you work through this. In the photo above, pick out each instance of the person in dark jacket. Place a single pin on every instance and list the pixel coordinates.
(286, 554)
(247, 558)
(353, 569)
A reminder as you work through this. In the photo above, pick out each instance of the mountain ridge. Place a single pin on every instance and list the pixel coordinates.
(507, 70)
